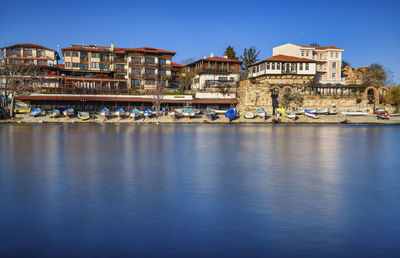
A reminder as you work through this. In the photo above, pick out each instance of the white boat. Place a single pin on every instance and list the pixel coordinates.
(290, 115)
(323, 111)
(220, 111)
(310, 114)
(188, 112)
(354, 113)
(69, 112)
(135, 113)
(120, 112)
(299, 111)
(261, 113)
(249, 115)
(105, 112)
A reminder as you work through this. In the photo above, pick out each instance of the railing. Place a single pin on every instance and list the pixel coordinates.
(150, 64)
(212, 71)
(135, 65)
(135, 76)
(284, 71)
(150, 76)
(120, 60)
(323, 69)
(332, 81)
(120, 70)
(165, 77)
(165, 65)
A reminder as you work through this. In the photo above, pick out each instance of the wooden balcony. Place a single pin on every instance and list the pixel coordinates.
(165, 77)
(135, 76)
(120, 70)
(165, 66)
(150, 76)
(135, 65)
(120, 60)
(152, 65)
(212, 71)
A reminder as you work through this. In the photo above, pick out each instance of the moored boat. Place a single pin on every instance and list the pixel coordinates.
(55, 113)
(383, 115)
(222, 112)
(83, 115)
(249, 115)
(354, 113)
(261, 113)
(105, 112)
(290, 114)
(148, 113)
(323, 111)
(69, 112)
(35, 112)
(231, 114)
(188, 112)
(120, 113)
(135, 113)
(209, 113)
(298, 111)
(308, 113)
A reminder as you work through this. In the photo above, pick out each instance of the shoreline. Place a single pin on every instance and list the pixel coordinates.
(328, 119)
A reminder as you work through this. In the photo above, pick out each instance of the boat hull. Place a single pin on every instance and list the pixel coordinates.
(354, 113)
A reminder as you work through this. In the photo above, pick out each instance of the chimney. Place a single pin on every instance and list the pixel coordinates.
(212, 55)
(225, 56)
(205, 57)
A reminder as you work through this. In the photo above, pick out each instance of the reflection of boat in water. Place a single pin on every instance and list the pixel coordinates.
(83, 115)
(231, 114)
(148, 113)
(35, 112)
(188, 112)
(249, 115)
(55, 113)
(70, 112)
(120, 113)
(209, 113)
(105, 112)
(135, 113)
(310, 114)
(354, 113)
(261, 113)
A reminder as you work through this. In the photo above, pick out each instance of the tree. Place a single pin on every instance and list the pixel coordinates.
(377, 75)
(345, 64)
(185, 79)
(230, 53)
(287, 98)
(314, 44)
(392, 97)
(249, 57)
(158, 95)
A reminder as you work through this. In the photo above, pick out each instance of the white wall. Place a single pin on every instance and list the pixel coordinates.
(288, 49)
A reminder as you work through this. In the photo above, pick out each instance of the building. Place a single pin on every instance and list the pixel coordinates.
(213, 71)
(28, 53)
(329, 60)
(141, 68)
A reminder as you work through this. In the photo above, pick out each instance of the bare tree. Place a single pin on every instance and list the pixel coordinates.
(16, 79)
(287, 98)
(377, 75)
(185, 79)
(158, 95)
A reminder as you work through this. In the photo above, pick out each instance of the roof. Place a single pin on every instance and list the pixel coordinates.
(217, 59)
(323, 48)
(283, 58)
(29, 45)
(177, 65)
(87, 48)
(118, 50)
(150, 50)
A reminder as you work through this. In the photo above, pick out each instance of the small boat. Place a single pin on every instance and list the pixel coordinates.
(209, 113)
(55, 113)
(298, 111)
(20, 110)
(197, 111)
(83, 115)
(332, 112)
(261, 113)
(384, 115)
(35, 112)
(354, 113)
(135, 113)
(120, 113)
(323, 111)
(188, 112)
(308, 113)
(290, 115)
(231, 114)
(148, 113)
(70, 112)
(249, 115)
(222, 112)
(105, 112)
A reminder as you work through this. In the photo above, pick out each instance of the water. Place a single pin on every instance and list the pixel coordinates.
(199, 190)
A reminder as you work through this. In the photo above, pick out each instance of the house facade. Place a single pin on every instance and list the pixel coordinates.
(28, 53)
(328, 60)
(213, 71)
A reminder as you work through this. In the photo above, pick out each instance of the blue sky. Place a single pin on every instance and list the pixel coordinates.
(369, 31)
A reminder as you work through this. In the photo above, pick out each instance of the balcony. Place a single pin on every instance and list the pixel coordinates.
(165, 66)
(212, 71)
(135, 65)
(120, 70)
(120, 60)
(332, 81)
(321, 69)
(135, 76)
(150, 65)
(150, 76)
(165, 77)
(289, 71)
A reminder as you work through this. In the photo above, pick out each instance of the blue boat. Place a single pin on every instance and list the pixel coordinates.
(209, 113)
(148, 113)
(69, 112)
(261, 113)
(231, 114)
(120, 112)
(36, 112)
(308, 113)
(105, 112)
(135, 113)
(55, 113)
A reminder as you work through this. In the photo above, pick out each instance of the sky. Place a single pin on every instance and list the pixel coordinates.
(368, 31)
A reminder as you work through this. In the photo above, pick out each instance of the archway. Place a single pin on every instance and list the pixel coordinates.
(371, 94)
(275, 91)
(287, 90)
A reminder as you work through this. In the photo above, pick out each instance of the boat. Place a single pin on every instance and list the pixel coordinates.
(308, 113)
(323, 111)
(105, 112)
(384, 115)
(22, 110)
(148, 113)
(298, 111)
(222, 112)
(135, 113)
(120, 113)
(281, 111)
(332, 112)
(231, 114)
(354, 113)
(261, 113)
(83, 115)
(69, 112)
(249, 115)
(55, 113)
(188, 112)
(209, 113)
(290, 115)
(35, 112)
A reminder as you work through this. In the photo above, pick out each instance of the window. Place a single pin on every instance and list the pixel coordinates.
(95, 55)
(120, 76)
(75, 64)
(300, 66)
(278, 66)
(231, 67)
(197, 80)
(104, 67)
(150, 82)
(30, 61)
(268, 66)
(42, 62)
(83, 66)
(67, 64)
(29, 52)
(337, 54)
(150, 71)
(333, 75)
(84, 55)
(40, 53)
(162, 61)
(14, 52)
(211, 65)
(333, 65)
(67, 53)
(136, 59)
(307, 66)
(302, 53)
(222, 78)
(103, 57)
(119, 66)
(95, 65)
(136, 71)
(76, 54)
(162, 71)
(150, 60)
(273, 66)
(307, 53)
(14, 61)
(135, 82)
(292, 67)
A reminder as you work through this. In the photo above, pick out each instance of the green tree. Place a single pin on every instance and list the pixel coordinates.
(249, 57)
(345, 63)
(230, 53)
(392, 97)
(314, 44)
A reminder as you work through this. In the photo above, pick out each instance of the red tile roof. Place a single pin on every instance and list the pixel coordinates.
(29, 45)
(283, 58)
(323, 48)
(118, 50)
(221, 59)
(150, 50)
(177, 65)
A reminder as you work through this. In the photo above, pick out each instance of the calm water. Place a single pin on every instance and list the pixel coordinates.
(199, 190)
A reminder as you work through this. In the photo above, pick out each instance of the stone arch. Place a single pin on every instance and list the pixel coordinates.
(382, 92)
(286, 89)
(275, 89)
(374, 91)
